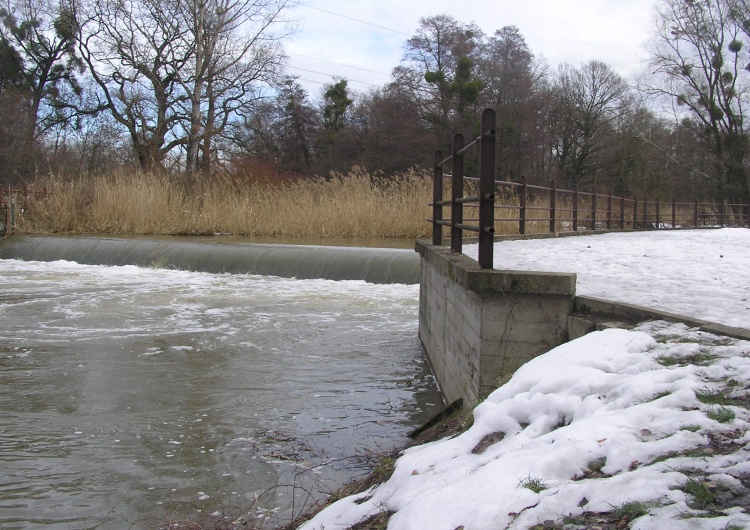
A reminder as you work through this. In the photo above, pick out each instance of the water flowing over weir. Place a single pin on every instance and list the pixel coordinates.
(148, 395)
(373, 265)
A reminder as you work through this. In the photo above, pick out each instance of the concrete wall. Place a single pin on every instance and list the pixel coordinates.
(478, 326)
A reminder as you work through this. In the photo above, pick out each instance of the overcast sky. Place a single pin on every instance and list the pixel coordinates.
(328, 42)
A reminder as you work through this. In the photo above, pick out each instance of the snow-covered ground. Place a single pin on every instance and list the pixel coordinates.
(699, 273)
(644, 428)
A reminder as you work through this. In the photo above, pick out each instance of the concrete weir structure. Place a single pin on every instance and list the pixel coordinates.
(478, 326)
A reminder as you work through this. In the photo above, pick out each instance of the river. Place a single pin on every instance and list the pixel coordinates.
(146, 396)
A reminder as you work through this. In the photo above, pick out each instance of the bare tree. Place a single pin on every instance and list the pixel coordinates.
(131, 48)
(699, 67)
(587, 105)
(236, 48)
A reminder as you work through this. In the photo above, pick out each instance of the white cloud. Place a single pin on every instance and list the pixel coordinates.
(573, 31)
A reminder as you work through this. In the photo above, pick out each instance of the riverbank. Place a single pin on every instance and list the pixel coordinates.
(644, 429)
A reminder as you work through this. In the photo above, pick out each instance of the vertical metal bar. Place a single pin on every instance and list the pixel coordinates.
(575, 208)
(658, 213)
(593, 209)
(622, 213)
(645, 212)
(721, 214)
(522, 206)
(695, 215)
(609, 210)
(437, 196)
(487, 189)
(552, 206)
(12, 217)
(635, 212)
(674, 213)
(457, 192)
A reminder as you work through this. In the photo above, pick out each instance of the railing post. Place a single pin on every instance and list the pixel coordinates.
(487, 189)
(593, 209)
(674, 213)
(645, 213)
(622, 213)
(552, 206)
(658, 213)
(437, 197)
(695, 215)
(11, 215)
(721, 214)
(609, 210)
(635, 212)
(575, 208)
(457, 192)
(522, 206)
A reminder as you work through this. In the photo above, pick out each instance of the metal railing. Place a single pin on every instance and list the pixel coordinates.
(14, 201)
(541, 209)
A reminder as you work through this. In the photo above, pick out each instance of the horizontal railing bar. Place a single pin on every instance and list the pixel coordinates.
(469, 228)
(464, 200)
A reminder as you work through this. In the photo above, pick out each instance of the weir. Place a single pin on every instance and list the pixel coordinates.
(373, 265)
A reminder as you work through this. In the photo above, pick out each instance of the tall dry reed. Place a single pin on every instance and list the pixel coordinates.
(356, 205)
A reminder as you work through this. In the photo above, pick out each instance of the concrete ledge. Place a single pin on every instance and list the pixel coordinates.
(467, 273)
(634, 313)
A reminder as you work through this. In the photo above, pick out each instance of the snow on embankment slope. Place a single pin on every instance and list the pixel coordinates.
(619, 419)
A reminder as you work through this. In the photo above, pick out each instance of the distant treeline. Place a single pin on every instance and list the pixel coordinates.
(196, 87)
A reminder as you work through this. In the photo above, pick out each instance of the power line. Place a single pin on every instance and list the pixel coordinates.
(356, 20)
(339, 64)
(330, 75)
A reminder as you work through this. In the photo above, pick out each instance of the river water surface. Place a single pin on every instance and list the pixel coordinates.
(142, 396)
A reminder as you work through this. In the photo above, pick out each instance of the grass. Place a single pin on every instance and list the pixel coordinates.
(712, 397)
(698, 358)
(534, 484)
(701, 494)
(721, 414)
(631, 510)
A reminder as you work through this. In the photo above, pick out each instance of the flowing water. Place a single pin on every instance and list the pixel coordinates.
(140, 396)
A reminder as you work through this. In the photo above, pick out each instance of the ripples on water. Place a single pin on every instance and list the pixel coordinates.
(133, 395)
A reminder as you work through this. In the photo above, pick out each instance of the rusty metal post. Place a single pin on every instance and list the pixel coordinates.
(622, 213)
(721, 214)
(645, 212)
(674, 213)
(522, 206)
(593, 209)
(457, 192)
(575, 208)
(552, 206)
(695, 215)
(635, 212)
(487, 189)
(609, 210)
(437, 197)
(658, 213)
(11, 215)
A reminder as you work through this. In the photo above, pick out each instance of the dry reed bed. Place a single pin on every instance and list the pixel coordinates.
(358, 204)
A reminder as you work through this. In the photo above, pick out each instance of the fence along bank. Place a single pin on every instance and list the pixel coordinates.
(478, 325)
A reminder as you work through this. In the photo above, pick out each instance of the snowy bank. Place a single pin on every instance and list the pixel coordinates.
(617, 417)
(644, 428)
(696, 273)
